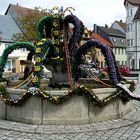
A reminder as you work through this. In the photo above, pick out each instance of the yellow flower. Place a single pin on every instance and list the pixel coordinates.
(39, 43)
(38, 50)
(55, 24)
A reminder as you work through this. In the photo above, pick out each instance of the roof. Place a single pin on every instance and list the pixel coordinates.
(112, 32)
(137, 15)
(133, 2)
(97, 36)
(122, 24)
(19, 10)
(118, 42)
(7, 28)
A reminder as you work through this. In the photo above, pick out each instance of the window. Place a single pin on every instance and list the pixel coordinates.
(122, 51)
(114, 40)
(127, 12)
(128, 42)
(131, 12)
(129, 27)
(115, 50)
(119, 51)
(131, 42)
(23, 49)
(8, 66)
(122, 41)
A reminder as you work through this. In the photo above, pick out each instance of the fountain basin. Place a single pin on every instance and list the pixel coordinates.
(76, 110)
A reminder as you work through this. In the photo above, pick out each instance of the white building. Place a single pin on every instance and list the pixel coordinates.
(133, 33)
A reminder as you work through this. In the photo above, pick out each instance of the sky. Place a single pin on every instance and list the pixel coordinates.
(90, 12)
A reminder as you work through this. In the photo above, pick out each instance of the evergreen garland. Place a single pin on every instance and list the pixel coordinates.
(79, 90)
(10, 49)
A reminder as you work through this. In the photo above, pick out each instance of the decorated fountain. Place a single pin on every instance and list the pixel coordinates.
(66, 97)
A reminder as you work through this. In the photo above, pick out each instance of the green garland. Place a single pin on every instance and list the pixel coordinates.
(77, 90)
(10, 49)
(47, 22)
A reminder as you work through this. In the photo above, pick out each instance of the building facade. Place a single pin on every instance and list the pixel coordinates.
(133, 33)
(99, 55)
(118, 41)
(94, 53)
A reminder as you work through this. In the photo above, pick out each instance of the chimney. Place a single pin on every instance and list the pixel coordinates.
(17, 4)
(95, 28)
(106, 25)
(121, 21)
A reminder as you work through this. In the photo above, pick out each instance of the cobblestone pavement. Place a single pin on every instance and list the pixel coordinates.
(126, 128)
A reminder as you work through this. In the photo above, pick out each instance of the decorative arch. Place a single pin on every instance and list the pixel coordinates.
(78, 31)
(45, 25)
(114, 74)
(10, 49)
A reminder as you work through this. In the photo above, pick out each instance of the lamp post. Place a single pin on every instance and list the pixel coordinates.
(136, 45)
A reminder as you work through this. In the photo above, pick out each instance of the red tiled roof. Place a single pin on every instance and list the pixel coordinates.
(97, 36)
(133, 2)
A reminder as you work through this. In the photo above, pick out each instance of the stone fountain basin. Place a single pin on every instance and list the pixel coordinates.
(76, 110)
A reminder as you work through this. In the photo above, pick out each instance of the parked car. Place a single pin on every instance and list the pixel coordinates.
(122, 69)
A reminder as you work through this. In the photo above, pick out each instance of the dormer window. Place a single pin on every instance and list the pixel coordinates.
(114, 40)
(122, 41)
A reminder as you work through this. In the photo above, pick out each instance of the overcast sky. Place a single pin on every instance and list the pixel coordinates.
(90, 12)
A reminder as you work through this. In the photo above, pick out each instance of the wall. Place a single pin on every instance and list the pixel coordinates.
(133, 34)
